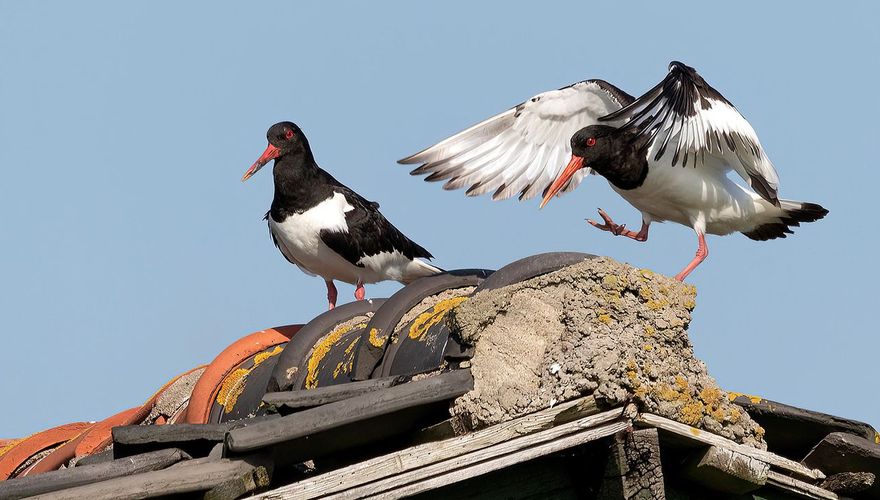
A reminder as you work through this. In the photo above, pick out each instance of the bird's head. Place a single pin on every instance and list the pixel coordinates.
(284, 138)
(589, 146)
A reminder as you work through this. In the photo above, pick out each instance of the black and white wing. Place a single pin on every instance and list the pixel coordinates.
(683, 116)
(369, 233)
(523, 150)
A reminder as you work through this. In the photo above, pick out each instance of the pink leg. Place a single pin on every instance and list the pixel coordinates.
(359, 292)
(702, 253)
(620, 229)
(331, 293)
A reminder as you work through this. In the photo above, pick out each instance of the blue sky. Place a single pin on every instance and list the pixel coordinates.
(131, 251)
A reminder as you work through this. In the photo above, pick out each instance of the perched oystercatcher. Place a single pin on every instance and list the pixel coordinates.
(327, 229)
(667, 153)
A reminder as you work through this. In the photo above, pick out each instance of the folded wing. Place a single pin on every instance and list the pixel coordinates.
(522, 150)
(685, 118)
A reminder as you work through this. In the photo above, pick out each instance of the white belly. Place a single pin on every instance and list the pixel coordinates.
(706, 200)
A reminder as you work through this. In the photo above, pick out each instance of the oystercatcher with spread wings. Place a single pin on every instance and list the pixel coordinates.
(327, 229)
(667, 153)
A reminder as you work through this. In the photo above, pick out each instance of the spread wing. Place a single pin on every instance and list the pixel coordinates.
(686, 118)
(523, 150)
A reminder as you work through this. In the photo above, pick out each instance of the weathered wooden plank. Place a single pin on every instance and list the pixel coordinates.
(634, 471)
(723, 469)
(302, 399)
(842, 452)
(415, 482)
(434, 389)
(169, 481)
(69, 478)
(249, 481)
(798, 487)
(694, 434)
(419, 458)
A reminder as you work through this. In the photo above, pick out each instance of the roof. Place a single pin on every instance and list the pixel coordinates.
(356, 402)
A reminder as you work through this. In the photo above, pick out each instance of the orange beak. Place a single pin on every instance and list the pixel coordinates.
(574, 165)
(270, 153)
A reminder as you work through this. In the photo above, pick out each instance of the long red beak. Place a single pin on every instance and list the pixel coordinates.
(574, 165)
(270, 153)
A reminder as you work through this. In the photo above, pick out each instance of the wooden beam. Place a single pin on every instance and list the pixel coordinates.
(722, 469)
(415, 482)
(445, 386)
(634, 470)
(69, 478)
(440, 457)
(790, 484)
(171, 481)
(322, 395)
(694, 434)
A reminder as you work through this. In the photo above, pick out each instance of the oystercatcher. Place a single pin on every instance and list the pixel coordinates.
(667, 153)
(327, 229)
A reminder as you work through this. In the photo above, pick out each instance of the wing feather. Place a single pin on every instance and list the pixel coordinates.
(522, 150)
(683, 116)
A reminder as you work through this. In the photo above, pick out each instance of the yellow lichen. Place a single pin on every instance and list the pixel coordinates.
(605, 318)
(321, 349)
(648, 347)
(681, 382)
(8, 447)
(650, 331)
(667, 393)
(233, 384)
(633, 378)
(759, 432)
(431, 317)
(657, 304)
(754, 399)
(734, 415)
(692, 412)
(641, 392)
(645, 292)
(711, 396)
(610, 281)
(375, 341)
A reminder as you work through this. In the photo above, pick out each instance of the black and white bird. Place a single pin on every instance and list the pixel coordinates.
(667, 153)
(327, 229)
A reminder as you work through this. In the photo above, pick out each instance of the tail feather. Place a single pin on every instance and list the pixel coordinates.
(418, 268)
(794, 212)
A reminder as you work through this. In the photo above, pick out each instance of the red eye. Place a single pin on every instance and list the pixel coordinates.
(591, 142)
(289, 134)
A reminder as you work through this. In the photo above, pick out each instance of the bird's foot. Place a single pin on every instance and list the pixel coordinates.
(359, 292)
(619, 229)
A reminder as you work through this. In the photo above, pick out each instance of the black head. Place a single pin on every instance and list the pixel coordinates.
(592, 143)
(589, 146)
(284, 138)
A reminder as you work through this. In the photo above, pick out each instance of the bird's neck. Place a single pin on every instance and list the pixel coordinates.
(625, 165)
(299, 184)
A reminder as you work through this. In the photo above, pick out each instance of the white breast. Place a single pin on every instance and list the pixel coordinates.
(299, 239)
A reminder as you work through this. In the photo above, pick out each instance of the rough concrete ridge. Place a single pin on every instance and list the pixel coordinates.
(598, 327)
